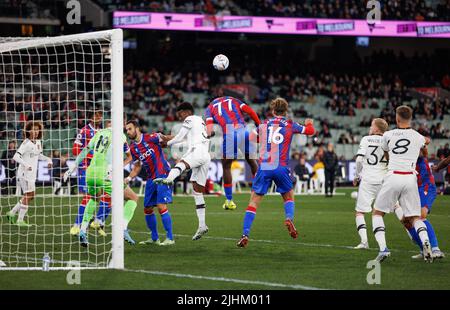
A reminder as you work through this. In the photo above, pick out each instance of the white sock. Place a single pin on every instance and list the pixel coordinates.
(16, 208)
(398, 211)
(201, 216)
(378, 230)
(23, 210)
(421, 230)
(361, 227)
(176, 171)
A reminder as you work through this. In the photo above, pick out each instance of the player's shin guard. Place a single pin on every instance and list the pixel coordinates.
(176, 171)
(104, 209)
(200, 208)
(379, 231)
(289, 209)
(250, 214)
(361, 227)
(128, 212)
(228, 191)
(431, 234)
(88, 214)
(167, 222)
(150, 220)
(81, 209)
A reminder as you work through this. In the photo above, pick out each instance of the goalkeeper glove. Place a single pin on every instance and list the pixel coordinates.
(67, 174)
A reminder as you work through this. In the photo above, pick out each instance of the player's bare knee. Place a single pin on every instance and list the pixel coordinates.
(198, 188)
(424, 213)
(288, 196)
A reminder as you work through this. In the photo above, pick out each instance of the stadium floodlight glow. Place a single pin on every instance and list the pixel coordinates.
(59, 82)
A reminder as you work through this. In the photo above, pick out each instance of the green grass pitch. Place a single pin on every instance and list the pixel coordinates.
(320, 258)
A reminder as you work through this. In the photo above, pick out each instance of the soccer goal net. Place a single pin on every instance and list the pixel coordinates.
(55, 94)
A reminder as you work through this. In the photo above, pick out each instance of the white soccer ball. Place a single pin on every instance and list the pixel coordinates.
(354, 195)
(221, 62)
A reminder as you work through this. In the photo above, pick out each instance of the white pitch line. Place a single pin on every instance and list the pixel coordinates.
(320, 245)
(222, 279)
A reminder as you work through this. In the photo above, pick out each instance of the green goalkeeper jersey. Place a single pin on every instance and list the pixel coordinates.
(101, 145)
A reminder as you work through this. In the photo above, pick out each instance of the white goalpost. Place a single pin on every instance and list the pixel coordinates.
(59, 82)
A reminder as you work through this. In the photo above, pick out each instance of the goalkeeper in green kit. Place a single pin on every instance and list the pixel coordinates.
(99, 179)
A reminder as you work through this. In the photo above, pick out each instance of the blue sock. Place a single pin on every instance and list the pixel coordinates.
(103, 211)
(415, 236)
(289, 208)
(80, 214)
(431, 234)
(248, 220)
(167, 223)
(228, 191)
(150, 219)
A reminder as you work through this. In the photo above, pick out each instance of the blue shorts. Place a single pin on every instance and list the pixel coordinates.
(281, 176)
(234, 141)
(82, 186)
(157, 194)
(427, 197)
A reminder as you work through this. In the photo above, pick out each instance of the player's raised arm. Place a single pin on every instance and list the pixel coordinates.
(308, 129)
(78, 144)
(209, 120)
(442, 164)
(81, 156)
(181, 134)
(250, 112)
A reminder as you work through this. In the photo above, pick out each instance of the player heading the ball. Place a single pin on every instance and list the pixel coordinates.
(275, 136)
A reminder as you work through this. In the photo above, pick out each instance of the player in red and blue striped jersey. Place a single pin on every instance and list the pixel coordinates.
(427, 193)
(275, 137)
(228, 112)
(83, 138)
(147, 151)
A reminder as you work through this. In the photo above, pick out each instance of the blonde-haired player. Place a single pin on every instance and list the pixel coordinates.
(27, 156)
(371, 167)
(400, 183)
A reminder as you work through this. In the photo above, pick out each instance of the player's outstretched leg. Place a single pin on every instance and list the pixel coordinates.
(128, 212)
(200, 208)
(227, 185)
(75, 230)
(174, 173)
(249, 217)
(436, 252)
(103, 211)
(289, 210)
(379, 232)
(361, 227)
(167, 223)
(150, 220)
(11, 215)
(421, 230)
(88, 214)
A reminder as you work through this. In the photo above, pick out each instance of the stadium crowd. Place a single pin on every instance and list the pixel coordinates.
(344, 9)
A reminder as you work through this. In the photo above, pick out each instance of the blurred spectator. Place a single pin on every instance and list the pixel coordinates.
(330, 161)
(9, 187)
(443, 152)
(301, 170)
(59, 168)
